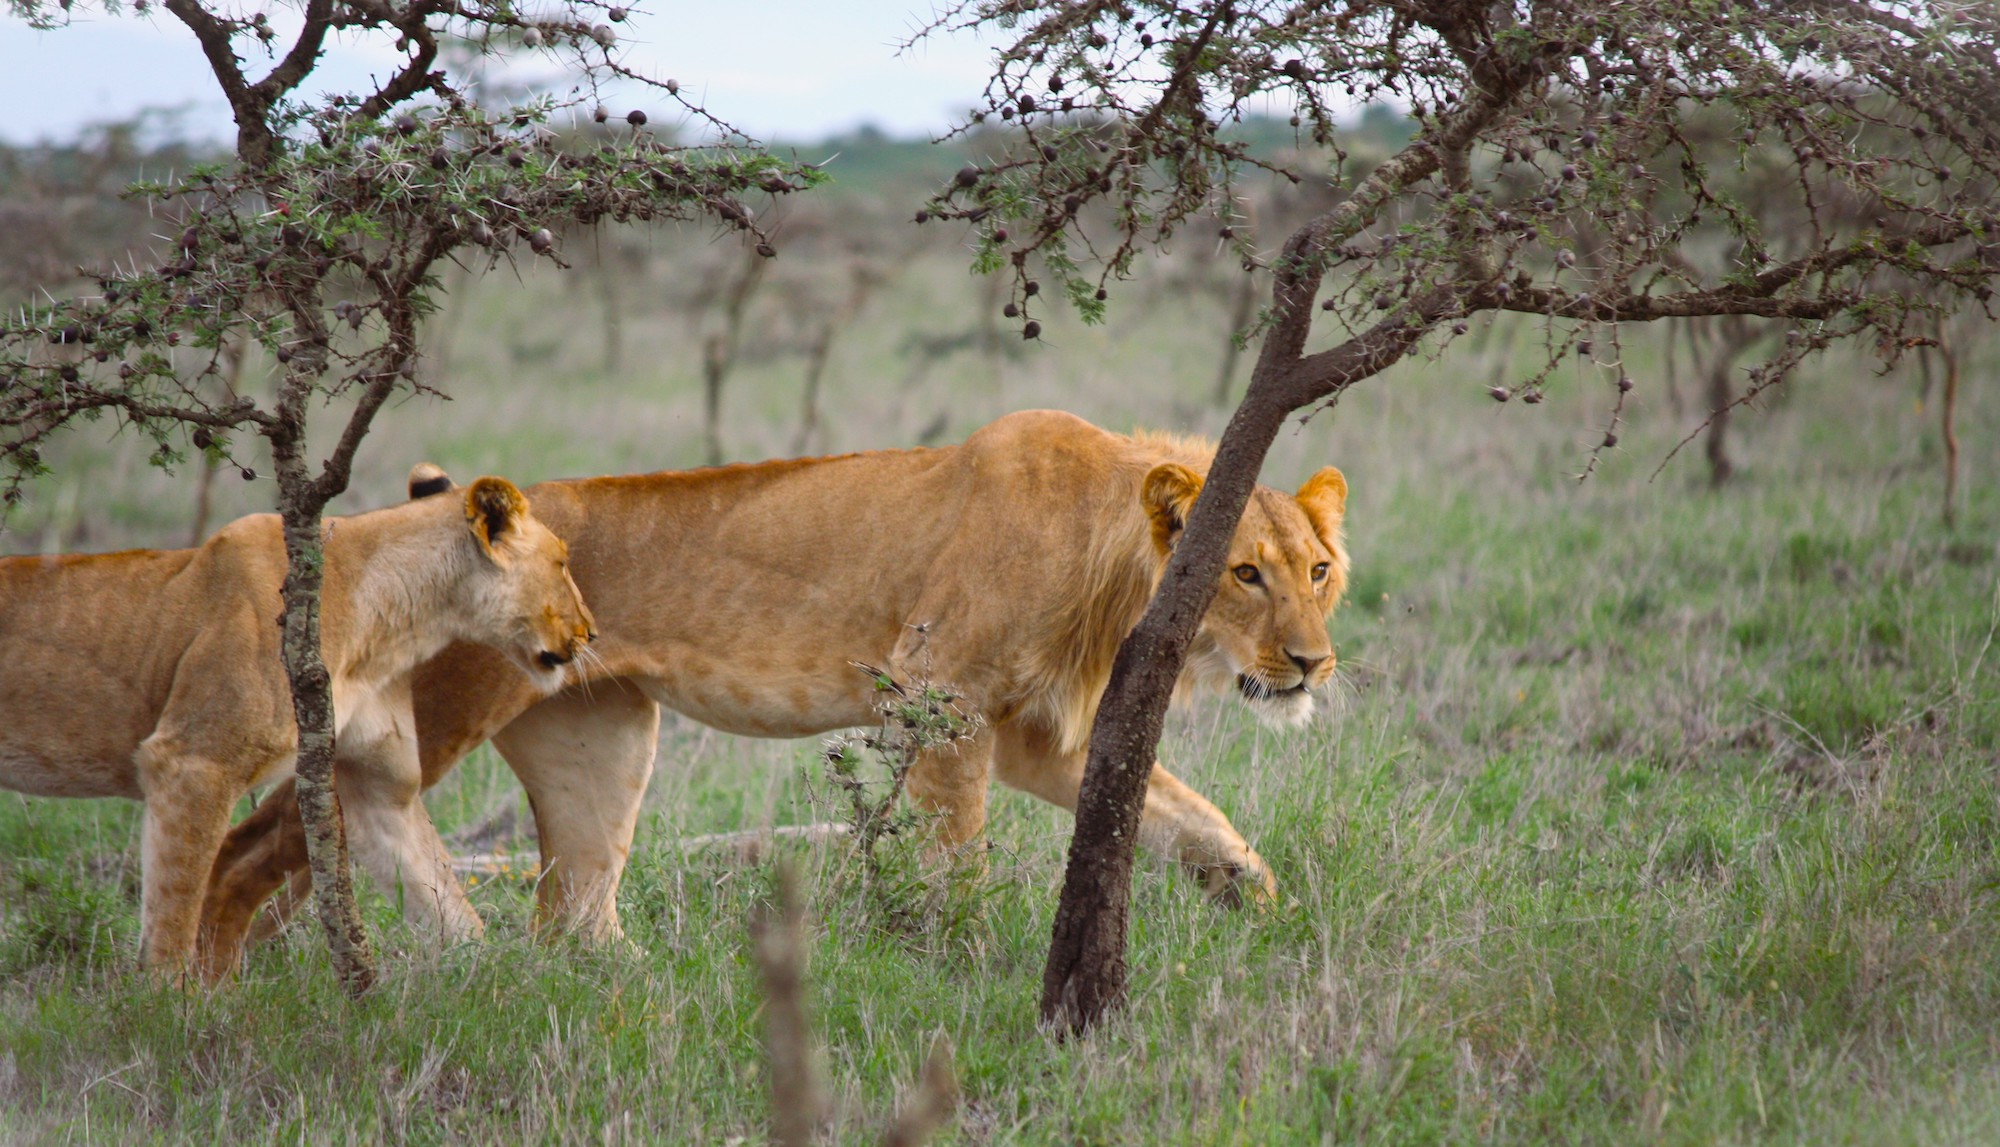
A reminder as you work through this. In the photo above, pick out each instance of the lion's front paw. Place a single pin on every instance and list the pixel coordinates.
(1235, 884)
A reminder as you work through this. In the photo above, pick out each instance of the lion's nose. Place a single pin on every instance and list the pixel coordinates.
(1306, 664)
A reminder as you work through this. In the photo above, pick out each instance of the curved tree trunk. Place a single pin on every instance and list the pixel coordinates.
(1085, 974)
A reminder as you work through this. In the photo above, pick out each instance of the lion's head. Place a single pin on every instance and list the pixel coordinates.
(1287, 568)
(524, 580)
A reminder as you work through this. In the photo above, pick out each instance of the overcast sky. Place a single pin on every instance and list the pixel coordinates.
(792, 69)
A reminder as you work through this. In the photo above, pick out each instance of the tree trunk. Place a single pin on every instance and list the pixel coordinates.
(1085, 975)
(302, 501)
(312, 706)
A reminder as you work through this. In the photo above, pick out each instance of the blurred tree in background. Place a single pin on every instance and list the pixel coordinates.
(1580, 161)
(320, 240)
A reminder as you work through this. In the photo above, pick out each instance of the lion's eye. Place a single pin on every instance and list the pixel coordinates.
(1319, 572)
(1246, 573)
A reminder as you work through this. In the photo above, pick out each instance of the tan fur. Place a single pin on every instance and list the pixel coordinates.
(1010, 567)
(156, 675)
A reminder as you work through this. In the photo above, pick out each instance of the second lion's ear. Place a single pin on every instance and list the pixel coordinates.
(494, 508)
(427, 478)
(1168, 495)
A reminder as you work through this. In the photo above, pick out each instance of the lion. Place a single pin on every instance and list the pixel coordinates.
(156, 675)
(1010, 566)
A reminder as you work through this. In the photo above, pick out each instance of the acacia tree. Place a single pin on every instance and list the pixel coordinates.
(320, 241)
(1553, 174)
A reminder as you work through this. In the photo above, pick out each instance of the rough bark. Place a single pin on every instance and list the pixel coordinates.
(312, 706)
(1085, 974)
(302, 500)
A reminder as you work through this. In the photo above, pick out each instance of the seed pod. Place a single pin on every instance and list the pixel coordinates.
(636, 118)
(1532, 398)
(1459, 328)
(1383, 301)
(966, 177)
(282, 354)
(922, 217)
(542, 241)
(1031, 330)
(1011, 310)
(482, 234)
(1227, 232)
(604, 36)
(406, 124)
(1031, 288)
(999, 234)
(617, 15)
(1498, 393)
(600, 113)
(68, 373)
(1326, 304)
(1026, 103)
(201, 438)
(1566, 258)
(1100, 294)
(249, 475)
(190, 239)
(355, 317)
(1610, 440)
(126, 370)
(767, 251)
(532, 38)
(673, 87)
(1624, 383)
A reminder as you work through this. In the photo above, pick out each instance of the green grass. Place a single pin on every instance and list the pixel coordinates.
(1649, 814)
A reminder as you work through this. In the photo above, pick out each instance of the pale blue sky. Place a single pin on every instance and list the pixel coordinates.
(795, 69)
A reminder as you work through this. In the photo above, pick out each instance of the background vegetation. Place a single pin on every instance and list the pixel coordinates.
(1649, 812)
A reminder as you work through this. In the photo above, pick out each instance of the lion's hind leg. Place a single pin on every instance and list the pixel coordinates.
(264, 853)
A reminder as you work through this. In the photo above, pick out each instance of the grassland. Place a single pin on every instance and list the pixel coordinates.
(1647, 813)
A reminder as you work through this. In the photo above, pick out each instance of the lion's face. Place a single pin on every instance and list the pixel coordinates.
(541, 621)
(1287, 568)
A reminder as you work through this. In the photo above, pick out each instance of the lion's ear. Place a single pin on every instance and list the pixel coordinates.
(494, 508)
(427, 478)
(1168, 495)
(1324, 499)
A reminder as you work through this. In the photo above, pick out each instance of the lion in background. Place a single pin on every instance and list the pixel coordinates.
(1010, 566)
(156, 675)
